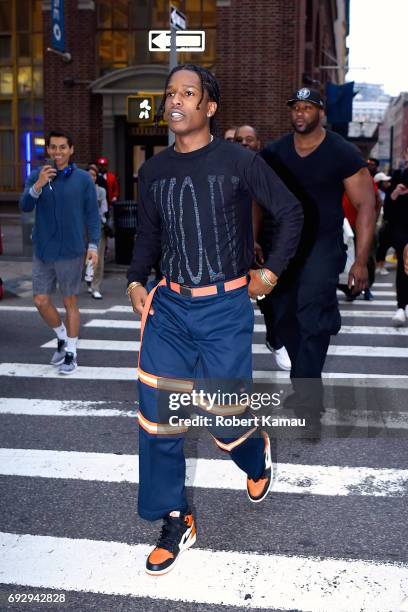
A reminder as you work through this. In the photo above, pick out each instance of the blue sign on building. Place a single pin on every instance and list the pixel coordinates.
(58, 32)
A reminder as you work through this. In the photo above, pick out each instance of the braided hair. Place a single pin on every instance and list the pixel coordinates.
(208, 84)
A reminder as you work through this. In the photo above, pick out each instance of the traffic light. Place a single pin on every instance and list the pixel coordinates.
(141, 109)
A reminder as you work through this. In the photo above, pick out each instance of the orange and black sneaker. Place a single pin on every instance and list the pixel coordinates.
(178, 533)
(258, 489)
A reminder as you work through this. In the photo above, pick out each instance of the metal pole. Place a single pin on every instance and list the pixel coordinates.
(172, 64)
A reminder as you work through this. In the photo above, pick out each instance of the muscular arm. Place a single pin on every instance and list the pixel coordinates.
(360, 190)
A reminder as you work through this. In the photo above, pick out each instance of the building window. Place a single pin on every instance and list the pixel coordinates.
(123, 25)
(6, 118)
(21, 90)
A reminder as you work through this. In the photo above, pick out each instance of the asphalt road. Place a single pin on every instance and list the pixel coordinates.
(330, 536)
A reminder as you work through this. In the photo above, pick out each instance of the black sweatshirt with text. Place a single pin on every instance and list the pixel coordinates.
(195, 212)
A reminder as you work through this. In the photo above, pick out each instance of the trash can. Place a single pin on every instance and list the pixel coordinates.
(27, 224)
(125, 224)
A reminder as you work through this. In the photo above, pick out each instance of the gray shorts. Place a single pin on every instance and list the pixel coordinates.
(67, 272)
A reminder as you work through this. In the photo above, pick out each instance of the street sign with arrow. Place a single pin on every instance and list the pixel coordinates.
(187, 40)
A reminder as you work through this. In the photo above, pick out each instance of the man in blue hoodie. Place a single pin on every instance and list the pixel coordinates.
(66, 209)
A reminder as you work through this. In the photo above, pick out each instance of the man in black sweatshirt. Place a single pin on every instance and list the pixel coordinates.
(195, 210)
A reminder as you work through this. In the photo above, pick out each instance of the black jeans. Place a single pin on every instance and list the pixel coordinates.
(384, 241)
(266, 307)
(306, 314)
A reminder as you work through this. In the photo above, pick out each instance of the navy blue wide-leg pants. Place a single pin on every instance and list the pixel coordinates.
(191, 341)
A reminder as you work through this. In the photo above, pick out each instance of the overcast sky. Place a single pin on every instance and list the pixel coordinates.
(378, 41)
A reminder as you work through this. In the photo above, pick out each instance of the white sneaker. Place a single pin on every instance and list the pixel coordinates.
(69, 364)
(382, 271)
(281, 357)
(97, 295)
(399, 318)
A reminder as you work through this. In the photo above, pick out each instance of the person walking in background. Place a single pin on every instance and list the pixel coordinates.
(398, 219)
(66, 208)
(229, 134)
(100, 180)
(318, 165)
(373, 165)
(384, 242)
(263, 226)
(113, 190)
(94, 286)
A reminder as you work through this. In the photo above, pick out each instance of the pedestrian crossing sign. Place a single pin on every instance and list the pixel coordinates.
(141, 109)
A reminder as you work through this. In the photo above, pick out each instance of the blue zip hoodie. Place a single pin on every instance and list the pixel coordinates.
(63, 211)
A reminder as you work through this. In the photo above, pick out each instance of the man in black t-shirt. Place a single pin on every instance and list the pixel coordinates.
(317, 166)
(197, 324)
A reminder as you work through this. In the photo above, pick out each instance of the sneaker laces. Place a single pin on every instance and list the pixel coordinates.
(170, 533)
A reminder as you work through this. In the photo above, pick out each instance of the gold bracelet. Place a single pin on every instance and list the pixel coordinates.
(264, 278)
(132, 286)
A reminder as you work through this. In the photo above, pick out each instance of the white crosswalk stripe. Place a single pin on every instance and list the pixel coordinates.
(258, 327)
(259, 349)
(341, 585)
(209, 473)
(34, 558)
(27, 370)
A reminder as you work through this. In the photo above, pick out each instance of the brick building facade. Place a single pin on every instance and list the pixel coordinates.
(268, 48)
(68, 102)
(260, 51)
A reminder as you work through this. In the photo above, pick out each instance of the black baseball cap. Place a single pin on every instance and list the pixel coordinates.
(306, 95)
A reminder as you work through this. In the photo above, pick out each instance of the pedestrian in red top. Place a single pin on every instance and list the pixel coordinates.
(111, 179)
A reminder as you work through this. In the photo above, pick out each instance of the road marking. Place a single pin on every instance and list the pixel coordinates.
(347, 379)
(368, 313)
(128, 309)
(54, 408)
(61, 310)
(102, 345)
(121, 309)
(32, 370)
(330, 480)
(375, 293)
(386, 419)
(357, 313)
(250, 581)
(258, 327)
(341, 379)
(113, 324)
(382, 285)
(376, 331)
(393, 303)
(257, 349)
(367, 351)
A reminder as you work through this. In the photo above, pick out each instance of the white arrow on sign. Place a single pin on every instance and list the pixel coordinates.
(189, 40)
